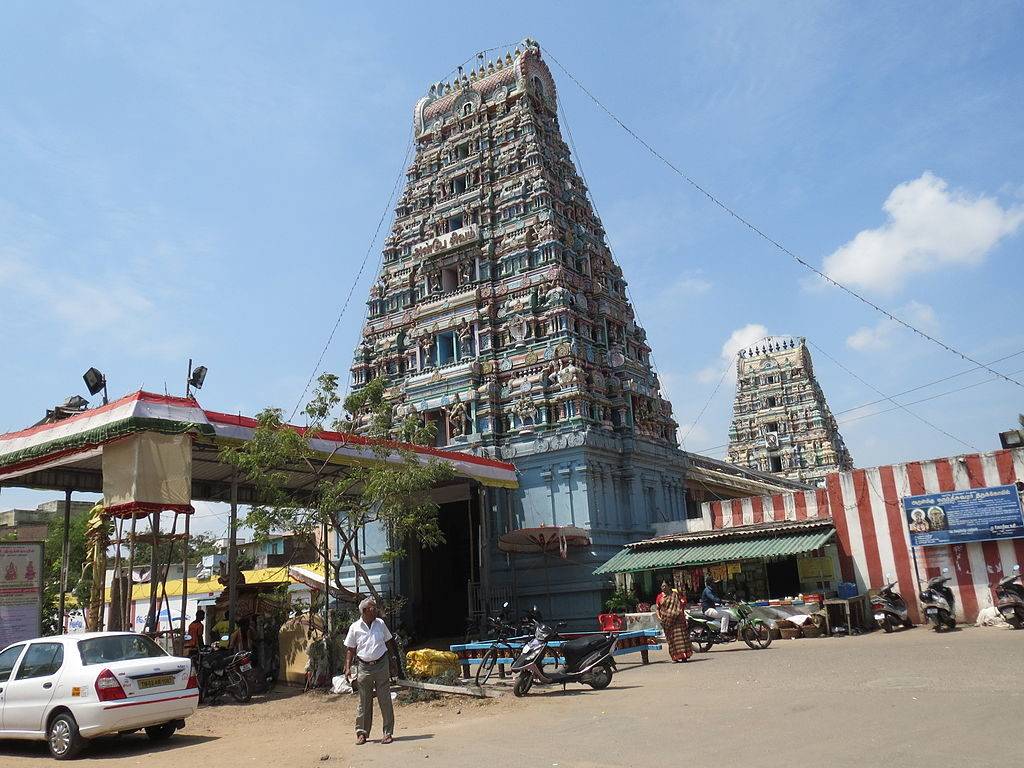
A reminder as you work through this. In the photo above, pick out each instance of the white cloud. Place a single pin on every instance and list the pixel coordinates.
(878, 336)
(929, 227)
(692, 284)
(738, 339)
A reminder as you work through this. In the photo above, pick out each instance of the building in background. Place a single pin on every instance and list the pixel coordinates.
(33, 524)
(500, 316)
(781, 422)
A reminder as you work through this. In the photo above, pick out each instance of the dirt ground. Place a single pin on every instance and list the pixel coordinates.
(909, 699)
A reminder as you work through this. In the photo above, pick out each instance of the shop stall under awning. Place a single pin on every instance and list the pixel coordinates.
(752, 542)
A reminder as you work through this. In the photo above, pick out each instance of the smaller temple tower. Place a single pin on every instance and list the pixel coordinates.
(781, 423)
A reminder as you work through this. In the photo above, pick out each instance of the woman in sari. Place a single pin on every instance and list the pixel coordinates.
(671, 613)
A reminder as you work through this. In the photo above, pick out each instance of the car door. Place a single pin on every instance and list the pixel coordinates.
(8, 661)
(29, 691)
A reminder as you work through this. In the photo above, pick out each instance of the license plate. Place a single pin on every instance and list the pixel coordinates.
(155, 682)
(245, 667)
(879, 616)
(931, 611)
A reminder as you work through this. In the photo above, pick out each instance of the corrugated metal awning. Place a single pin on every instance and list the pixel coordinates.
(632, 560)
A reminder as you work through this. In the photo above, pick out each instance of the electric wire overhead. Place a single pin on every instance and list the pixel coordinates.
(775, 243)
(355, 281)
(388, 208)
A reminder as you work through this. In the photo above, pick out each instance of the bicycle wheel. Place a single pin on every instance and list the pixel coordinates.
(487, 665)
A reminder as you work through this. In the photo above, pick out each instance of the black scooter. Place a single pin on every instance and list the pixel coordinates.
(939, 604)
(890, 609)
(588, 660)
(1010, 594)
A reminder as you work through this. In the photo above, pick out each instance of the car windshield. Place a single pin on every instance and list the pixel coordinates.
(101, 650)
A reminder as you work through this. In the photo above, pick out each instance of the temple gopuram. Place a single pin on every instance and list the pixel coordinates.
(500, 316)
(781, 422)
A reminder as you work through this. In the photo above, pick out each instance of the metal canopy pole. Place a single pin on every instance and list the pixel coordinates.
(233, 557)
(65, 555)
(184, 580)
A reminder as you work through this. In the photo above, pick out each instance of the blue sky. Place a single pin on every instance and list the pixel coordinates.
(202, 180)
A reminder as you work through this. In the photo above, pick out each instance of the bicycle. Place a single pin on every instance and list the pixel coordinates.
(501, 648)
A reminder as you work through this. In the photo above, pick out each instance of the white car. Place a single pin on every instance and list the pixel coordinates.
(70, 688)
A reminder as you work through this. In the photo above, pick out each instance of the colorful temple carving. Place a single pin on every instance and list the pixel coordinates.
(499, 312)
(781, 421)
(500, 316)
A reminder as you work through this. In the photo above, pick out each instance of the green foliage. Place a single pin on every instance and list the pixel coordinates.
(79, 581)
(199, 545)
(392, 491)
(621, 601)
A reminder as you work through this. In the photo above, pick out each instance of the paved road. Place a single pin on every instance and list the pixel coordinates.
(909, 699)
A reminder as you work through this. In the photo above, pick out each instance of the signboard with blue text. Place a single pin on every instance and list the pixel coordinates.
(956, 517)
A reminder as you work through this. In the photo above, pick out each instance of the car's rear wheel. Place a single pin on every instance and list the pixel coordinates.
(160, 732)
(62, 737)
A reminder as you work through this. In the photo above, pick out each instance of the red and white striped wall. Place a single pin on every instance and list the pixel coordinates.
(866, 507)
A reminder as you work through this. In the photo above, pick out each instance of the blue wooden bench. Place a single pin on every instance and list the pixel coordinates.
(641, 641)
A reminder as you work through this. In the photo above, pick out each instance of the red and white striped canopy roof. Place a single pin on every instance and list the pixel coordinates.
(68, 453)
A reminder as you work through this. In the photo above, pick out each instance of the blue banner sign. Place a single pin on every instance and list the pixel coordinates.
(977, 514)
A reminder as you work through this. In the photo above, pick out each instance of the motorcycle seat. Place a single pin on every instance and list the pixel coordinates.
(581, 646)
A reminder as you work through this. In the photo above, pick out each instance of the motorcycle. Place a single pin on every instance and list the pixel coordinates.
(1011, 599)
(220, 671)
(587, 660)
(939, 604)
(743, 625)
(890, 609)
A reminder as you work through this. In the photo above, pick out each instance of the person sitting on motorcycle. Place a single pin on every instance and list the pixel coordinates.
(708, 602)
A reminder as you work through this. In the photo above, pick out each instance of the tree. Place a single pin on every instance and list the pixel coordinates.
(79, 580)
(391, 492)
(199, 545)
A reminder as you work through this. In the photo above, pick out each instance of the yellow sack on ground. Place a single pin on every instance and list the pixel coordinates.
(427, 662)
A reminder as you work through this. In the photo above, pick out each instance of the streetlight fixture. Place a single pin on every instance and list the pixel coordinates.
(196, 377)
(96, 382)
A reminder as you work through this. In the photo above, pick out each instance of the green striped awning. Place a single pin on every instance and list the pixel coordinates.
(633, 560)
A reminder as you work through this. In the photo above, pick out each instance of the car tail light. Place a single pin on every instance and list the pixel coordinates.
(193, 681)
(107, 687)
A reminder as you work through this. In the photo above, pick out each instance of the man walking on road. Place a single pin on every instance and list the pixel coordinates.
(367, 643)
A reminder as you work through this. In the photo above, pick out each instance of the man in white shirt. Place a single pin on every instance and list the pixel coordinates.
(367, 644)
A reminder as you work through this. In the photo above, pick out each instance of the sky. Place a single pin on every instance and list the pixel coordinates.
(203, 180)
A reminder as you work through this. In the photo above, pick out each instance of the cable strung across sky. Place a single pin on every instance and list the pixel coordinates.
(767, 238)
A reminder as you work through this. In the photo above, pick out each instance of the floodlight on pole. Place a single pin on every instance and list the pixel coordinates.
(196, 377)
(96, 382)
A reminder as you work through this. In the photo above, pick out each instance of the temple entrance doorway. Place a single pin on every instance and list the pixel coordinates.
(439, 578)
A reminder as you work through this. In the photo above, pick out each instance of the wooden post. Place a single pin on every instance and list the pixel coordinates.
(128, 622)
(151, 621)
(233, 557)
(65, 554)
(327, 602)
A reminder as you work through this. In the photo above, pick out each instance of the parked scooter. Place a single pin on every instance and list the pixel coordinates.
(1010, 594)
(743, 625)
(587, 660)
(220, 671)
(939, 604)
(890, 609)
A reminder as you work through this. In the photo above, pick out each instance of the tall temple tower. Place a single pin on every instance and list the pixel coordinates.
(781, 422)
(500, 315)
